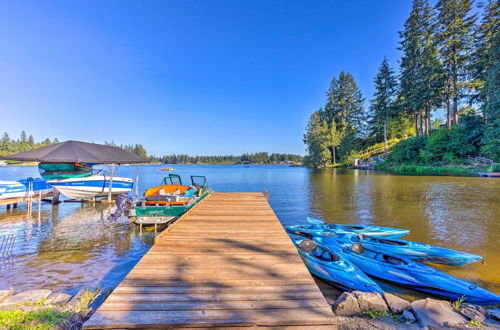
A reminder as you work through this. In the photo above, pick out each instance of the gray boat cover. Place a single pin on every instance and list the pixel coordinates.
(78, 152)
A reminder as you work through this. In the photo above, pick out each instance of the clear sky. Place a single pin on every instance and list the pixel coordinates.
(197, 77)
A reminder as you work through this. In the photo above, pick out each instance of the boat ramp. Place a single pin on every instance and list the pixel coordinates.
(227, 262)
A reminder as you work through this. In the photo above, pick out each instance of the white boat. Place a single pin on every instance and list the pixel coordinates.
(91, 186)
(24, 188)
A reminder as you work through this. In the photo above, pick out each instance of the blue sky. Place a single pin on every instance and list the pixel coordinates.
(195, 77)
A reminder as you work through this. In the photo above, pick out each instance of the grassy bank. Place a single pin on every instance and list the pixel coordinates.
(422, 170)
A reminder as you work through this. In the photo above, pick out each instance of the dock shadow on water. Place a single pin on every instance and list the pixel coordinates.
(68, 247)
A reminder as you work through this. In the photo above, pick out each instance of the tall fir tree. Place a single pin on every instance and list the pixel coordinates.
(421, 75)
(344, 108)
(485, 56)
(455, 38)
(317, 140)
(382, 107)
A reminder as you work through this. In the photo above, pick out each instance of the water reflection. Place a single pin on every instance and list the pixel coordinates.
(71, 246)
(457, 212)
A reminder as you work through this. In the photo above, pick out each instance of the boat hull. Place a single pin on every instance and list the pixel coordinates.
(163, 212)
(24, 188)
(91, 186)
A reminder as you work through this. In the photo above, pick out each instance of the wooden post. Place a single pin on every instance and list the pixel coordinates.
(266, 194)
(55, 196)
(111, 182)
(137, 182)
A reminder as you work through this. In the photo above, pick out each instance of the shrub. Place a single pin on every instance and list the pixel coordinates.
(491, 141)
(408, 151)
(447, 145)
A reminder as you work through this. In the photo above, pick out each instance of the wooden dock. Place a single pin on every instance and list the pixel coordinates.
(226, 263)
(11, 203)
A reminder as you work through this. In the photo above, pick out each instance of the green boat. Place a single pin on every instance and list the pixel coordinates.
(165, 203)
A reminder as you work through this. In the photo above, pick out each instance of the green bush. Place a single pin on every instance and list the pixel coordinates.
(408, 151)
(446, 145)
(491, 141)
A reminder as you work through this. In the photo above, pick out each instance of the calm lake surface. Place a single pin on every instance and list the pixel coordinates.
(72, 245)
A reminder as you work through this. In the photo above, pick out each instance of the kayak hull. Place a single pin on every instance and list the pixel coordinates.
(405, 272)
(416, 251)
(368, 230)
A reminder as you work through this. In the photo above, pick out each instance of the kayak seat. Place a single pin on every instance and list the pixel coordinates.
(358, 248)
(308, 246)
(393, 260)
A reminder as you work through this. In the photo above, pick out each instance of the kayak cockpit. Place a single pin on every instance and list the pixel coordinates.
(376, 255)
(310, 247)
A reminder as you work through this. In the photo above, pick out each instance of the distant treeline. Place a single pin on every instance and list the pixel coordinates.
(24, 143)
(256, 158)
(137, 149)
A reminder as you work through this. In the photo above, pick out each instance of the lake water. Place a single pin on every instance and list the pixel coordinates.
(72, 246)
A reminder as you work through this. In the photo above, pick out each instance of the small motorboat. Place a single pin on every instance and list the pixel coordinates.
(167, 169)
(367, 230)
(24, 188)
(326, 263)
(414, 275)
(413, 250)
(170, 199)
(95, 185)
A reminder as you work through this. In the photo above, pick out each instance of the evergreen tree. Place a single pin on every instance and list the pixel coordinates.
(486, 57)
(383, 104)
(421, 79)
(455, 38)
(344, 110)
(345, 105)
(316, 140)
(491, 140)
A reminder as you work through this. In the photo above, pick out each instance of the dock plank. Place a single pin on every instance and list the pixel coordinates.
(226, 263)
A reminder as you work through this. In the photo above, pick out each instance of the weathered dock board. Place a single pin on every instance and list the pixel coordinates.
(227, 262)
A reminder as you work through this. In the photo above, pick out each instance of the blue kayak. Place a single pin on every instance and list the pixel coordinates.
(367, 230)
(412, 250)
(405, 272)
(325, 263)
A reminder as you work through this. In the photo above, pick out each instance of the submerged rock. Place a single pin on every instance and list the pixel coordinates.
(436, 313)
(346, 305)
(370, 301)
(408, 316)
(27, 297)
(397, 305)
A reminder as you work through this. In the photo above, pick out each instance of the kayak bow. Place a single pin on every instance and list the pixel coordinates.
(326, 263)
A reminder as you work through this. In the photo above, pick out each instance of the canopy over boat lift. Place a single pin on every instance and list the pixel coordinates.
(82, 152)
